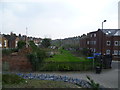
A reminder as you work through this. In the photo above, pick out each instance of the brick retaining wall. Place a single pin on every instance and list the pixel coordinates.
(17, 62)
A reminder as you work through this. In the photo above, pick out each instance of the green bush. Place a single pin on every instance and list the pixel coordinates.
(64, 67)
(11, 79)
(36, 58)
(21, 44)
(9, 51)
(46, 42)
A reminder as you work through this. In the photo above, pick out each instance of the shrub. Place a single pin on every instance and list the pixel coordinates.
(93, 85)
(46, 42)
(9, 51)
(36, 58)
(64, 67)
(33, 46)
(21, 44)
(86, 52)
(11, 79)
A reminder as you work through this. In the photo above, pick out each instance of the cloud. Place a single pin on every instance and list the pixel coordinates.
(57, 18)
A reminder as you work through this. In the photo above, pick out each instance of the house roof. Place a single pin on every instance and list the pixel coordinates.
(111, 32)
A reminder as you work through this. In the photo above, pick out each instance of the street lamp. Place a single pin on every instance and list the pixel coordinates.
(102, 23)
(102, 36)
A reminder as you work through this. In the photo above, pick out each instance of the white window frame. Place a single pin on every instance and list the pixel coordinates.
(115, 43)
(95, 35)
(91, 35)
(108, 51)
(88, 42)
(16, 42)
(5, 43)
(107, 43)
(0, 44)
(115, 52)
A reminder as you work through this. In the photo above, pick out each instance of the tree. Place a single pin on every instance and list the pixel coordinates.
(21, 44)
(46, 42)
(32, 45)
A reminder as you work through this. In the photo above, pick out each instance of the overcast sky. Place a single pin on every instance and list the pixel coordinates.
(57, 18)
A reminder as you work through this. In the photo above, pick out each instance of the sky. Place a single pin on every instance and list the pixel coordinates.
(57, 19)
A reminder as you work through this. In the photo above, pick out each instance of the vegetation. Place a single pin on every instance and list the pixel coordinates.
(8, 51)
(65, 61)
(46, 42)
(21, 44)
(93, 85)
(11, 79)
(36, 56)
(33, 46)
(14, 81)
(65, 56)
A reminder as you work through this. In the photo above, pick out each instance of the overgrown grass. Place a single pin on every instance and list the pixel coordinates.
(65, 56)
(65, 61)
(11, 83)
(11, 79)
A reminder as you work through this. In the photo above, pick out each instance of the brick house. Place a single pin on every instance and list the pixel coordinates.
(3, 42)
(12, 40)
(106, 41)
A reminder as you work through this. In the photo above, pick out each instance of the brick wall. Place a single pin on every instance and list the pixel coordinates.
(17, 62)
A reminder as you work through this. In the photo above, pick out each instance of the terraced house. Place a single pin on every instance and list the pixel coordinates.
(106, 41)
(12, 40)
(3, 42)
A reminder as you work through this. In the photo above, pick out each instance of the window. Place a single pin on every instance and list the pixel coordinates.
(88, 42)
(94, 42)
(119, 43)
(91, 35)
(115, 52)
(119, 52)
(116, 43)
(16, 43)
(0, 44)
(107, 51)
(5, 43)
(108, 43)
(95, 35)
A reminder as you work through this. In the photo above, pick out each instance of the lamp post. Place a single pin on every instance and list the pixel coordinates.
(102, 23)
(102, 37)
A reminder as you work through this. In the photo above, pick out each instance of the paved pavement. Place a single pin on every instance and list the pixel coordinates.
(107, 78)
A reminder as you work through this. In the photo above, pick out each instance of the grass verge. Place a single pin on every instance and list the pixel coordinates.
(41, 84)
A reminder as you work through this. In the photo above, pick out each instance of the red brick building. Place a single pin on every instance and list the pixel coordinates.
(106, 41)
(12, 40)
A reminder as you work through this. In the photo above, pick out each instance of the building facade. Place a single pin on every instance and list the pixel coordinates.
(3, 42)
(106, 41)
(11, 40)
